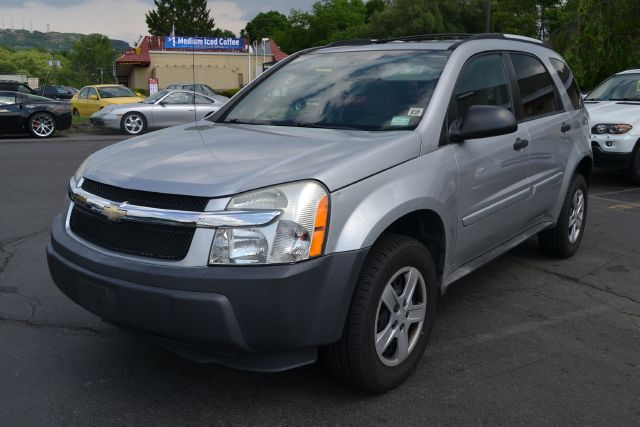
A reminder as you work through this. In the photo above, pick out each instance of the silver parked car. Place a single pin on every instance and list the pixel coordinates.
(198, 87)
(323, 210)
(162, 109)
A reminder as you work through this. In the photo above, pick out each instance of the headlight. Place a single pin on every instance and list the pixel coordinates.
(80, 170)
(297, 234)
(615, 129)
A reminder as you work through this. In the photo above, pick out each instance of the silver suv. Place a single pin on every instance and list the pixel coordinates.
(324, 208)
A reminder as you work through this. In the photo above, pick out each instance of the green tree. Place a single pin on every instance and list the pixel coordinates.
(265, 24)
(190, 17)
(90, 57)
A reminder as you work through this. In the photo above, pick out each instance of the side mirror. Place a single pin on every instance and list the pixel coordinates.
(483, 121)
(93, 97)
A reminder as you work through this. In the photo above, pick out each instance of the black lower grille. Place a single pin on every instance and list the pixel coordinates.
(147, 240)
(146, 198)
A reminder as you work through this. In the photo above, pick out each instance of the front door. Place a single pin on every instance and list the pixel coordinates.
(176, 108)
(492, 172)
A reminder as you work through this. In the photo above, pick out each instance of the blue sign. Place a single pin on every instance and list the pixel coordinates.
(180, 42)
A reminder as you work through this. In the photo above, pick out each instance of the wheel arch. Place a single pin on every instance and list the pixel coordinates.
(585, 168)
(426, 226)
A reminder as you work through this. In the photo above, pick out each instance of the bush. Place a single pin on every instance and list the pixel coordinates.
(228, 92)
(140, 92)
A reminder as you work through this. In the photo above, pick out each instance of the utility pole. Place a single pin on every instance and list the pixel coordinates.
(487, 27)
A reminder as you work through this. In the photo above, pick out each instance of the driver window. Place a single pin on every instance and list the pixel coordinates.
(7, 99)
(83, 93)
(482, 82)
(91, 91)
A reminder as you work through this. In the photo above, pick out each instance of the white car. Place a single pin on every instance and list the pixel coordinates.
(614, 110)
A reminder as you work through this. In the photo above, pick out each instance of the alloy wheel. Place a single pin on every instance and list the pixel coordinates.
(401, 313)
(576, 216)
(43, 125)
(133, 124)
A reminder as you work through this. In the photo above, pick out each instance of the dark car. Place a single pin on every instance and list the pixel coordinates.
(59, 93)
(20, 112)
(16, 86)
(198, 87)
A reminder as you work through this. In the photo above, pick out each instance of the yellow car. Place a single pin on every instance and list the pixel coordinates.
(94, 98)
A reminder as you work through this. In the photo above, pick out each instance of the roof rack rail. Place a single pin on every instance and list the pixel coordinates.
(428, 37)
(459, 38)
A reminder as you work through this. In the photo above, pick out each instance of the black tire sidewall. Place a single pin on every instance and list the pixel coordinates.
(124, 129)
(577, 182)
(30, 125)
(376, 375)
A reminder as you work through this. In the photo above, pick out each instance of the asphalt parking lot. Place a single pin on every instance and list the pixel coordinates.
(524, 340)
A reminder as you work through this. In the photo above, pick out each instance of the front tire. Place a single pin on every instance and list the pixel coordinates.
(563, 240)
(76, 113)
(133, 124)
(41, 125)
(390, 318)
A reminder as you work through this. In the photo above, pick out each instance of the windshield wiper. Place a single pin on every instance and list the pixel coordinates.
(238, 122)
(321, 125)
(592, 99)
(624, 99)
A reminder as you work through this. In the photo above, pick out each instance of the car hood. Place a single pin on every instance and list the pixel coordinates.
(614, 112)
(215, 159)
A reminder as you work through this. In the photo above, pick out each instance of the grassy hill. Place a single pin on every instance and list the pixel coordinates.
(59, 42)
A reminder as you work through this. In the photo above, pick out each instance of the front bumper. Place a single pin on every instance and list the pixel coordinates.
(266, 318)
(106, 121)
(64, 121)
(605, 159)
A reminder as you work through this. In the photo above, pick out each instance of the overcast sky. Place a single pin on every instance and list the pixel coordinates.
(124, 19)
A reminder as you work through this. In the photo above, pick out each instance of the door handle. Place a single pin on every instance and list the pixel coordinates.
(520, 144)
(566, 127)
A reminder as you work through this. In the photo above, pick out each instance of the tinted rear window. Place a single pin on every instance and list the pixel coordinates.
(565, 74)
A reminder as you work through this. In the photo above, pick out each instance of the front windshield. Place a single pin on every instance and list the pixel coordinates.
(623, 87)
(371, 90)
(155, 97)
(115, 92)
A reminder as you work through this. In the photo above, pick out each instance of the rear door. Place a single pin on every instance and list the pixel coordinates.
(493, 172)
(10, 111)
(542, 112)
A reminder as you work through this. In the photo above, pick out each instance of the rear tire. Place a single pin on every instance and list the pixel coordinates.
(564, 239)
(41, 125)
(386, 311)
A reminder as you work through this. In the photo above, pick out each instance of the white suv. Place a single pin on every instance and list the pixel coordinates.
(614, 108)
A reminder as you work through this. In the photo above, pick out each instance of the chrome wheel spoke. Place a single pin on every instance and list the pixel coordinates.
(390, 298)
(411, 280)
(402, 345)
(384, 338)
(416, 313)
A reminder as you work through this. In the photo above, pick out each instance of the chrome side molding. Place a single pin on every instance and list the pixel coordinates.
(124, 211)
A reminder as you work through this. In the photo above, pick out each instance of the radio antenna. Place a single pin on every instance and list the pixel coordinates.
(193, 68)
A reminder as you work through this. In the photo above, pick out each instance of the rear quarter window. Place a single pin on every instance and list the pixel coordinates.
(569, 82)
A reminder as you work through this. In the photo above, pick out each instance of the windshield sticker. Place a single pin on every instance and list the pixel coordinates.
(412, 69)
(400, 121)
(415, 112)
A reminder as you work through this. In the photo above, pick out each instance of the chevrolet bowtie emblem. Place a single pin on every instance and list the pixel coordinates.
(113, 212)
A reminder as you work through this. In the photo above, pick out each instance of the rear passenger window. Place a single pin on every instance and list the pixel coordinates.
(566, 76)
(482, 82)
(537, 91)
